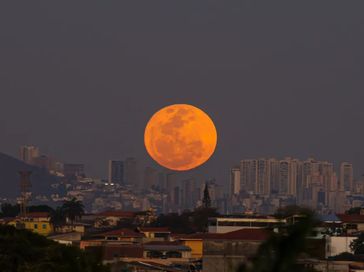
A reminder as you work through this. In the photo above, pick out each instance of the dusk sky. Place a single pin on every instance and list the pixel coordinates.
(278, 80)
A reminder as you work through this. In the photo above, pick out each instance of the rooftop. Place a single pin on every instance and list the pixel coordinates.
(38, 215)
(351, 218)
(123, 214)
(130, 251)
(154, 229)
(166, 245)
(242, 235)
(122, 233)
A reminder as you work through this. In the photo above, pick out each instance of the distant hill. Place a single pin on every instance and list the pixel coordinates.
(9, 177)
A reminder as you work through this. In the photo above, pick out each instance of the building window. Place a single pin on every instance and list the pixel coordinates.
(36, 226)
(44, 226)
(160, 235)
(155, 254)
(174, 254)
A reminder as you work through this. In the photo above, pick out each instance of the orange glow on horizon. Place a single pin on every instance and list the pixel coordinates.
(180, 137)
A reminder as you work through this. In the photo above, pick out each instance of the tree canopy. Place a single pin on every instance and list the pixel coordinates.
(24, 251)
(355, 210)
(281, 251)
(357, 246)
(73, 209)
(188, 221)
(206, 201)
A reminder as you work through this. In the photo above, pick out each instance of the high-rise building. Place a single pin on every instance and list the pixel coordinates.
(215, 191)
(284, 175)
(308, 182)
(288, 171)
(131, 175)
(116, 172)
(43, 161)
(162, 182)
(171, 184)
(292, 184)
(188, 194)
(346, 176)
(73, 170)
(274, 176)
(311, 183)
(150, 177)
(235, 181)
(248, 175)
(262, 181)
(306, 174)
(28, 153)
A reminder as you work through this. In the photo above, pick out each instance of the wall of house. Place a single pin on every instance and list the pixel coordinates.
(227, 255)
(40, 227)
(337, 245)
(196, 247)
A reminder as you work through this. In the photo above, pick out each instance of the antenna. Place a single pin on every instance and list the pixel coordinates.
(24, 189)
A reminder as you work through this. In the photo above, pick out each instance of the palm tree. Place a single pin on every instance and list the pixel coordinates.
(58, 217)
(73, 209)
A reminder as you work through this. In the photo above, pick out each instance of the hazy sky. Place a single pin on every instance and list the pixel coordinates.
(81, 80)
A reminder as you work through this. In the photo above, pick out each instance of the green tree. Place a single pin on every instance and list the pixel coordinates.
(357, 246)
(188, 221)
(206, 201)
(73, 209)
(355, 210)
(291, 210)
(345, 256)
(280, 252)
(58, 217)
(40, 208)
(24, 251)
(201, 217)
(9, 210)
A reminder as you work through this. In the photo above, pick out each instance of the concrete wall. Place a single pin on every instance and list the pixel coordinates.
(224, 229)
(226, 255)
(337, 245)
(196, 247)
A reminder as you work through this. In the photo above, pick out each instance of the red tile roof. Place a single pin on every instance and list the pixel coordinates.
(242, 235)
(122, 233)
(351, 218)
(38, 215)
(154, 266)
(154, 229)
(130, 251)
(121, 214)
(247, 234)
(163, 243)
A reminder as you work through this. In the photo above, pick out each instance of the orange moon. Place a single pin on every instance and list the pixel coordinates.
(180, 137)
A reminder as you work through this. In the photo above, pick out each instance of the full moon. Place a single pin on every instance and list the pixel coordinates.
(180, 137)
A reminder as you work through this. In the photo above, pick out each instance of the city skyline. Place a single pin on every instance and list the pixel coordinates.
(31, 153)
(200, 136)
(260, 185)
(272, 88)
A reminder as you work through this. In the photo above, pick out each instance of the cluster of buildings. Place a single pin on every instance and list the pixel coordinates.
(256, 185)
(127, 237)
(263, 185)
(126, 186)
(130, 241)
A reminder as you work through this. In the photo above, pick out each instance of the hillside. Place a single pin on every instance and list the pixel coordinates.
(9, 177)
